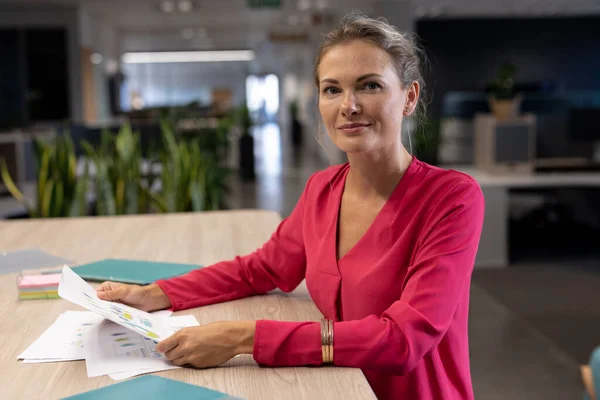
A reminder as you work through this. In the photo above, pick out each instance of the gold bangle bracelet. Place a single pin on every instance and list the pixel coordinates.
(324, 333)
(330, 341)
(327, 340)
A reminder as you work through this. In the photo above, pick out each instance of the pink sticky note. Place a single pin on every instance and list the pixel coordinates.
(33, 281)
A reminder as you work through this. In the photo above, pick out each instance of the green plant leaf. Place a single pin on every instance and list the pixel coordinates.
(57, 205)
(132, 199)
(43, 176)
(79, 204)
(157, 202)
(39, 147)
(120, 197)
(197, 196)
(44, 211)
(13, 189)
(89, 150)
(104, 195)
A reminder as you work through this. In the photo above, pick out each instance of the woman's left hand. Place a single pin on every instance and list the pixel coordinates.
(209, 345)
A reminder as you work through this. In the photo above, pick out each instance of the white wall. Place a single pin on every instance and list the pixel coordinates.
(67, 17)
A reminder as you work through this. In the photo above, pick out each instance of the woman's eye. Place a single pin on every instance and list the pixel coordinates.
(331, 90)
(372, 86)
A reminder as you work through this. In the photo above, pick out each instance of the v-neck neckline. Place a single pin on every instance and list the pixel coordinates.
(398, 191)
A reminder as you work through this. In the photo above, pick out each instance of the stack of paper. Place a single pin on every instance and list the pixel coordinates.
(63, 340)
(32, 287)
(120, 353)
(114, 339)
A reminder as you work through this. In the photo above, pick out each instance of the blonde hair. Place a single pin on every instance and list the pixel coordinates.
(406, 55)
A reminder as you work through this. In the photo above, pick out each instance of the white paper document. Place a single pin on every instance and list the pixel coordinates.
(78, 291)
(47, 360)
(122, 353)
(63, 340)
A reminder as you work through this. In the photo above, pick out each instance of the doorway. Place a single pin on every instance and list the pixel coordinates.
(262, 98)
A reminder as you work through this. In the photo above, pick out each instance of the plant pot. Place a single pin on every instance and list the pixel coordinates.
(504, 109)
(247, 157)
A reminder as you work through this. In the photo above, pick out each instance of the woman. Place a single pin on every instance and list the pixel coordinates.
(386, 243)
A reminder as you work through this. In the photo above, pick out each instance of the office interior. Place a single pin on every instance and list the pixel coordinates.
(514, 101)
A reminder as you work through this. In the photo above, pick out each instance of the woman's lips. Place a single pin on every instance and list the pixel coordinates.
(353, 128)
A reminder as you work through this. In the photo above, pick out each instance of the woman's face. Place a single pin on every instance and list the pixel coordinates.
(361, 99)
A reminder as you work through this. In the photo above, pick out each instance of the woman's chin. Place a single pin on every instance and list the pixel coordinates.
(355, 144)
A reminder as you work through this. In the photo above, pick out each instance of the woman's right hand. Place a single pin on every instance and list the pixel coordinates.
(146, 298)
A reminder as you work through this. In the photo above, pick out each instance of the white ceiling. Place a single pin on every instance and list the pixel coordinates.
(231, 24)
(135, 13)
(213, 23)
(145, 14)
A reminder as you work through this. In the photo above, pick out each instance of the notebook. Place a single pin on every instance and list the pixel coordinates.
(151, 387)
(131, 271)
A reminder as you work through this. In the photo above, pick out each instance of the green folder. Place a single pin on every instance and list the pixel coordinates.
(131, 271)
(151, 387)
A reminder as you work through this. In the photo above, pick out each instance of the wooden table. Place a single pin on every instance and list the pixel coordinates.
(201, 238)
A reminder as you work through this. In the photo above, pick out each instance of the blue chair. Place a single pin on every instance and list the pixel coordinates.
(594, 367)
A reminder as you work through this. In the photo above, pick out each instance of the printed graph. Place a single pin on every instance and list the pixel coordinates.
(141, 325)
(128, 344)
(76, 339)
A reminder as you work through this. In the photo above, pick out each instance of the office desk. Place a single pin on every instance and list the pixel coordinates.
(493, 247)
(202, 238)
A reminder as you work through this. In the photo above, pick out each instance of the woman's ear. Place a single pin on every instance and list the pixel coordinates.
(412, 98)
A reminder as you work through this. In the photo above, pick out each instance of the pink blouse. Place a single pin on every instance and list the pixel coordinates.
(399, 297)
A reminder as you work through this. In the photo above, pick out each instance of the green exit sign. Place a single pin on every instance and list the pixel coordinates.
(264, 3)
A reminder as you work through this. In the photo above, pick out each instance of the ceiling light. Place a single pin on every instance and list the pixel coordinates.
(187, 56)
(185, 5)
(96, 58)
(167, 6)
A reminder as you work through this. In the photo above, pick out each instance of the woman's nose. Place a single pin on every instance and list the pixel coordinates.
(350, 107)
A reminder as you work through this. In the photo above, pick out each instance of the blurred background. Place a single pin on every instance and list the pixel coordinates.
(146, 106)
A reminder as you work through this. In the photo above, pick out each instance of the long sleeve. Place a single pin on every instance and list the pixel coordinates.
(395, 342)
(279, 263)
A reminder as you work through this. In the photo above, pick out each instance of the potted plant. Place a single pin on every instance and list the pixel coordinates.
(191, 178)
(504, 101)
(296, 124)
(246, 143)
(59, 191)
(118, 179)
(426, 142)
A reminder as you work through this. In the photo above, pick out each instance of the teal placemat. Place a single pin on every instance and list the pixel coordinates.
(131, 271)
(151, 387)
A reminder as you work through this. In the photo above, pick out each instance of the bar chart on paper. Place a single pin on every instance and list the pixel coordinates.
(111, 349)
(130, 344)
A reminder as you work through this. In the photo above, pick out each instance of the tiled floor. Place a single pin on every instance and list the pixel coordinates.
(510, 359)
